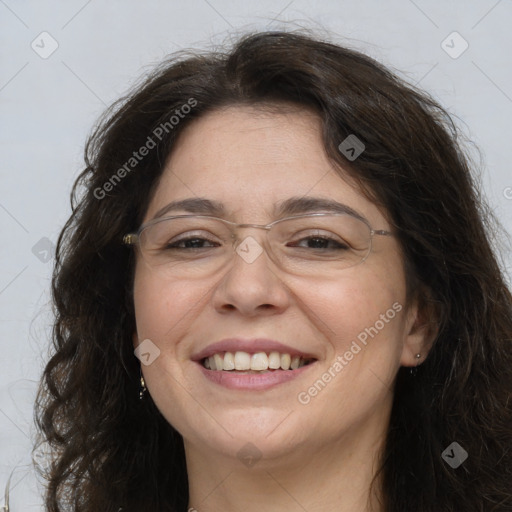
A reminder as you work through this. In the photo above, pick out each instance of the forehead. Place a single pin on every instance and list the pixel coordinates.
(250, 160)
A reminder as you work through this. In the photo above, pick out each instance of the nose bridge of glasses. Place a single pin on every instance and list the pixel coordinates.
(236, 230)
(247, 245)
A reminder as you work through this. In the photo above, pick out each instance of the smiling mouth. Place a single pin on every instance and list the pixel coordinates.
(259, 362)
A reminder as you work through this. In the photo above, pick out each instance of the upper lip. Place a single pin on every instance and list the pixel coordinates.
(251, 346)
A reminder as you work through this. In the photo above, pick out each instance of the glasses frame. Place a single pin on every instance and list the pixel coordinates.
(133, 239)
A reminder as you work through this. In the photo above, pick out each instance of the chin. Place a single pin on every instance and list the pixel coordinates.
(270, 433)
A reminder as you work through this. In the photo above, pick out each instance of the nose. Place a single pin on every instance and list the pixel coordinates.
(251, 284)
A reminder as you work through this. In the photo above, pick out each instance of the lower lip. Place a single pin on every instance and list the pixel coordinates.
(252, 381)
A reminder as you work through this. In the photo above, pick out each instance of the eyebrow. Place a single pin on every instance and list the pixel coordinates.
(289, 207)
(310, 204)
(197, 205)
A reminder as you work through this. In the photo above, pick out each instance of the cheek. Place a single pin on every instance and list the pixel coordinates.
(364, 318)
(163, 306)
(356, 301)
(164, 311)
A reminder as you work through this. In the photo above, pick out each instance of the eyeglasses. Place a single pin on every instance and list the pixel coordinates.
(196, 246)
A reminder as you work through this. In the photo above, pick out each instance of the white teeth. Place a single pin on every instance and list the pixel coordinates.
(259, 361)
(219, 361)
(274, 360)
(229, 361)
(242, 361)
(285, 361)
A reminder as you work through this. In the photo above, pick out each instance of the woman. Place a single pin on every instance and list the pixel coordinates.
(277, 292)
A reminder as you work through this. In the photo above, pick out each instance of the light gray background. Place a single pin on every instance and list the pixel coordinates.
(48, 107)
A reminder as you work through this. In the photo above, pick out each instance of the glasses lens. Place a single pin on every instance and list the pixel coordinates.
(194, 246)
(186, 245)
(320, 244)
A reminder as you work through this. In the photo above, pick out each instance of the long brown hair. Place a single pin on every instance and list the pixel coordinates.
(113, 450)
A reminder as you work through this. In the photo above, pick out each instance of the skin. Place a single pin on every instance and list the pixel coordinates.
(316, 456)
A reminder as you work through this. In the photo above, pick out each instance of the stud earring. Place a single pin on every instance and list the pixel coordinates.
(142, 389)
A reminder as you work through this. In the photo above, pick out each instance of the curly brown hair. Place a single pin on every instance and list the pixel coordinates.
(112, 450)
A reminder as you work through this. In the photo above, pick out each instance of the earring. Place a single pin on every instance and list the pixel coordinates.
(143, 389)
(414, 369)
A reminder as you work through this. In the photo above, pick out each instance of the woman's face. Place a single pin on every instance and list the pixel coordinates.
(354, 323)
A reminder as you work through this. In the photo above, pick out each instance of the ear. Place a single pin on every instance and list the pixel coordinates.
(135, 340)
(422, 325)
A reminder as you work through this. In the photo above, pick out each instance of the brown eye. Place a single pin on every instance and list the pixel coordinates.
(192, 243)
(321, 242)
